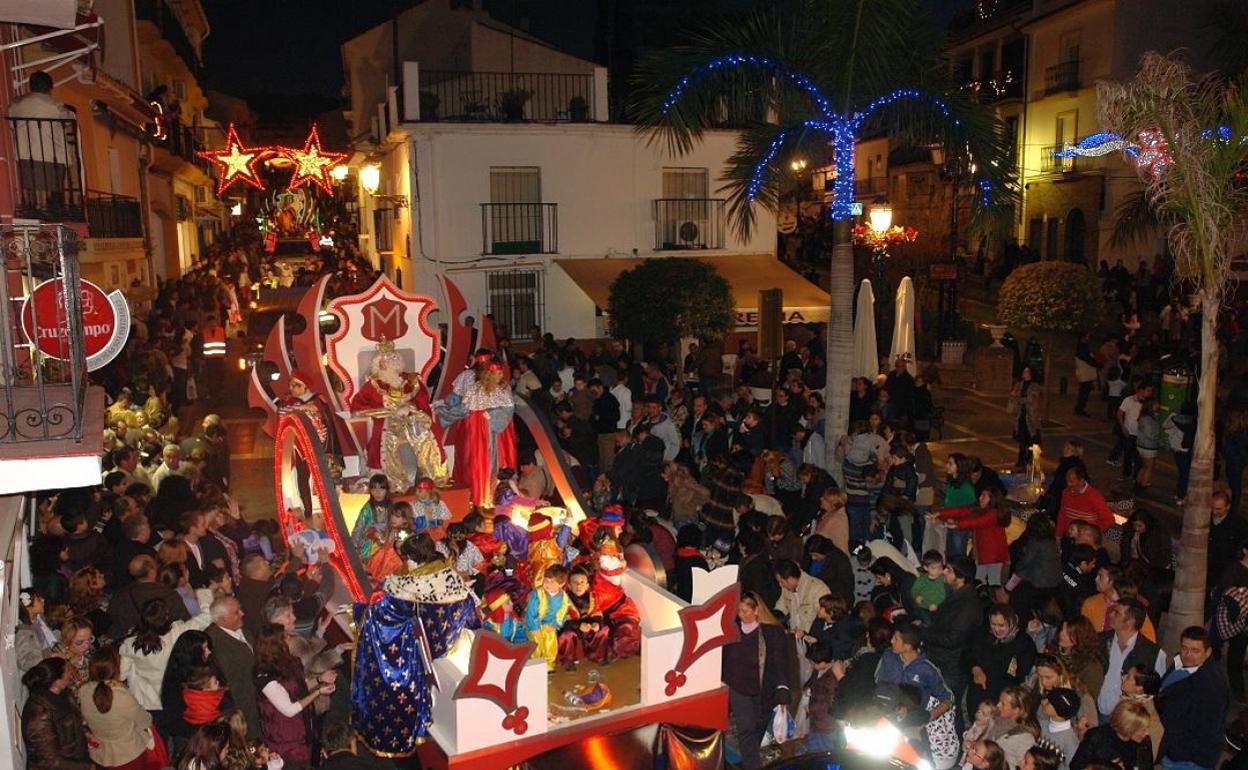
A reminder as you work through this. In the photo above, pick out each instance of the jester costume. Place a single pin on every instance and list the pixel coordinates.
(544, 550)
(419, 617)
(619, 611)
(500, 616)
(542, 620)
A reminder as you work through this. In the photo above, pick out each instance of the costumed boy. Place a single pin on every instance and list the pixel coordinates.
(546, 612)
(500, 615)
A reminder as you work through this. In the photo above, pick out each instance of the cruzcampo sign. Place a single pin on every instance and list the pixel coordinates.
(105, 322)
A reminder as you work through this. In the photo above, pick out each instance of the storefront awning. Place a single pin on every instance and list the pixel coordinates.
(747, 274)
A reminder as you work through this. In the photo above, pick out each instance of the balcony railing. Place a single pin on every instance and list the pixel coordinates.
(49, 171)
(113, 216)
(1004, 84)
(41, 398)
(1050, 163)
(986, 14)
(505, 96)
(180, 140)
(519, 228)
(1062, 77)
(874, 185)
(688, 223)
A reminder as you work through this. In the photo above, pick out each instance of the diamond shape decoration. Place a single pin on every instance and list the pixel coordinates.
(706, 627)
(494, 666)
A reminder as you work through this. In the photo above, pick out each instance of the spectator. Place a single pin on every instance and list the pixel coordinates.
(339, 749)
(121, 728)
(799, 595)
(145, 654)
(822, 686)
(1227, 532)
(283, 696)
(1123, 742)
(232, 648)
(204, 550)
(33, 639)
(988, 521)
(1193, 706)
(1014, 730)
(1078, 646)
(207, 748)
(52, 725)
(833, 522)
(757, 670)
(1141, 684)
(998, 659)
(1082, 502)
(953, 624)
(1026, 404)
(1124, 647)
(126, 605)
(905, 663)
(1059, 708)
(136, 541)
(77, 641)
(192, 651)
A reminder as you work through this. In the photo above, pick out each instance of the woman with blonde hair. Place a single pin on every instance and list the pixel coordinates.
(1015, 730)
(1052, 673)
(77, 640)
(759, 670)
(833, 522)
(1124, 742)
(170, 551)
(684, 493)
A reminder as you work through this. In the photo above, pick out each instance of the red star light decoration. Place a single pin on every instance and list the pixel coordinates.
(312, 164)
(705, 627)
(494, 667)
(236, 162)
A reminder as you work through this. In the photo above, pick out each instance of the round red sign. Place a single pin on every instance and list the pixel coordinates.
(44, 319)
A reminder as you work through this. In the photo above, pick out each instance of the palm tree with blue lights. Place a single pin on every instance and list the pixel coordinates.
(807, 78)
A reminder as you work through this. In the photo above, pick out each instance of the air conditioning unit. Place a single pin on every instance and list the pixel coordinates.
(689, 233)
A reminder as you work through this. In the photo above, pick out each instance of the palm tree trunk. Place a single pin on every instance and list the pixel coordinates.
(1187, 604)
(840, 345)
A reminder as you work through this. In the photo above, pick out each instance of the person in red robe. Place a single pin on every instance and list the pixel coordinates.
(399, 403)
(484, 438)
(620, 612)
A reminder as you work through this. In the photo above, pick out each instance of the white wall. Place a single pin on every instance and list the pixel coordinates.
(604, 179)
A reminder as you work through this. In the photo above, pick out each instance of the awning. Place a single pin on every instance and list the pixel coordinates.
(747, 274)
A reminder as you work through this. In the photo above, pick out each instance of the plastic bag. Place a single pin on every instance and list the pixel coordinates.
(779, 727)
(801, 721)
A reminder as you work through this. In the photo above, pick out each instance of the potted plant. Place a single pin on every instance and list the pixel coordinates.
(429, 102)
(511, 103)
(578, 109)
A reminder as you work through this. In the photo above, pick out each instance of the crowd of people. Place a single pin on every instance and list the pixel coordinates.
(163, 627)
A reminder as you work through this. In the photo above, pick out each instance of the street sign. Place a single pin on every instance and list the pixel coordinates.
(943, 271)
(105, 322)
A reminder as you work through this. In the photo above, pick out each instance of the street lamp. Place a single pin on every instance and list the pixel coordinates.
(338, 173)
(798, 165)
(370, 178)
(881, 217)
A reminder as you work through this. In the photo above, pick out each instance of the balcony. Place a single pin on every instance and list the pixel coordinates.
(688, 223)
(49, 169)
(113, 216)
(984, 16)
(1002, 86)
(170, 29)
(870, 186)
(519, 228)
(1061, 77)
(1051, 164)
(505, 97)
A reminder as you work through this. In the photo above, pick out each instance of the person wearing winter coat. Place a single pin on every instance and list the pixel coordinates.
(954, 624)
(1122, 743)
(799, 594)
(999, 658)
(988, 521)
(52, 726)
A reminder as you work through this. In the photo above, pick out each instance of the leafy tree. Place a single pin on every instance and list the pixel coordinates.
(663, 300)
(796, 73)
(1193, 161)
(1050, 299)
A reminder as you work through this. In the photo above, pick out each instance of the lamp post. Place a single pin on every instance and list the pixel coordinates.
(880, 220)
(947, 298)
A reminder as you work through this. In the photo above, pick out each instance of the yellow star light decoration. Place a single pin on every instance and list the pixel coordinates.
(236, 162)
(312, 164)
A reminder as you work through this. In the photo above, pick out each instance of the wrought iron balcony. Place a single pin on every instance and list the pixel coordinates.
(688, 223)
(869, 186)
(1062, 77)
(113, 216)
(505, 96)
(1050, 163)
(49, 169)
(41, 398)
(519, 228)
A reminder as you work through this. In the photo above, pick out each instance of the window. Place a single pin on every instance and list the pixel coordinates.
(516, 298)
(1050, 239)
(685, 183)
(1067, 124)
(919, 184)
(515, 215)
(383, 230)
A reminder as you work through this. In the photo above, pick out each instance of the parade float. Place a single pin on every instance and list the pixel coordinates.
(358, 389)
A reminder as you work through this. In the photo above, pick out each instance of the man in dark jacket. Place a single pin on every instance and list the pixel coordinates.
(637, 470)
(953, 626)
(233, 652)
(605, 420)
(1193, 706)
(126, 605)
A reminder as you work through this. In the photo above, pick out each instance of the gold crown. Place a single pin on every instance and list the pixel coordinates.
(385, 346)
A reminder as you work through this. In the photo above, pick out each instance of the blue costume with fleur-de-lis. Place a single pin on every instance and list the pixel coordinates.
(391, 698)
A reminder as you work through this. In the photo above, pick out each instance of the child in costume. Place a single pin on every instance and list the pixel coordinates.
(428, 509)
(500, 615)
(369, 525)
(396, 528)
(620, 612)
(544, 550)
(545, 614)
(585, 632)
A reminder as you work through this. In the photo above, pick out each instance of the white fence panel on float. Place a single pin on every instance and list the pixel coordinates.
(661, 640)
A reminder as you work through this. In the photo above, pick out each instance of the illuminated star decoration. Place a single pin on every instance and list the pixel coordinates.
(312, 164)
(236, 162)
(494, 667)
(705, 627)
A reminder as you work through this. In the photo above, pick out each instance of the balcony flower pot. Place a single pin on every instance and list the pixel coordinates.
(511, 104)
(429, 102)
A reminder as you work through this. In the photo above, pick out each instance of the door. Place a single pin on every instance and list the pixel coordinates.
(515, 222)
(682, 216)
